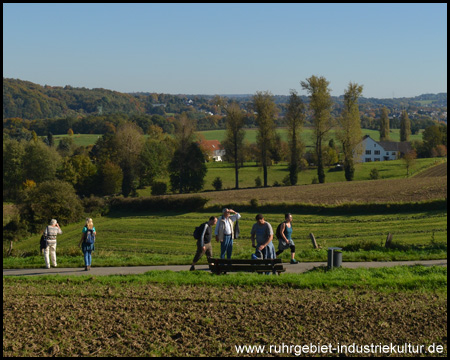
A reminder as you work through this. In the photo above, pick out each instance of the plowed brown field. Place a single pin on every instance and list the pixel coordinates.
(157, 320)
(438, 170)
(371, 191)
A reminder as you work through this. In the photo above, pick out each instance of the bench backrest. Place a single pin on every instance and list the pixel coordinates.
(245, 261)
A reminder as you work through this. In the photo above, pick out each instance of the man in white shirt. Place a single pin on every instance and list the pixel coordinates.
(224, 231)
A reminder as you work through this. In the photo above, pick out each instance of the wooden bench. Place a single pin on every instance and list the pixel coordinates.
(222, 266)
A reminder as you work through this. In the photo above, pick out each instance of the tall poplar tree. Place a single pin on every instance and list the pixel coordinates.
(266, 111)
(405, 126)
(295, 117)
(234, 133)
(350, 133)
(384, 125)
(320, 104)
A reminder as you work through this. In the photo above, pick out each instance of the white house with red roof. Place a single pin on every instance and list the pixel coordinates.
(213, 148)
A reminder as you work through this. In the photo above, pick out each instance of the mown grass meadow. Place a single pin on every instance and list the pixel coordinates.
(126, 239)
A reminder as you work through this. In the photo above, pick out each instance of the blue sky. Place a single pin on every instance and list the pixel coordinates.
(393, 50)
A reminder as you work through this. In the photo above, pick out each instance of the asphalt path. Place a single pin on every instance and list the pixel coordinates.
(129, 270)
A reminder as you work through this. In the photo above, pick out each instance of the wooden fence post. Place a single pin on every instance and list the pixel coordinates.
(313, 240)
(388, 241)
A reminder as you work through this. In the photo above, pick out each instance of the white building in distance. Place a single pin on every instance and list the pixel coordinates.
(371, 150)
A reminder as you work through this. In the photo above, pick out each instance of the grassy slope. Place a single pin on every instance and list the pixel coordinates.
(166, 238)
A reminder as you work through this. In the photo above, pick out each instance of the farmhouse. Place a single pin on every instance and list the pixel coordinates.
(213, 148)
(371, 150)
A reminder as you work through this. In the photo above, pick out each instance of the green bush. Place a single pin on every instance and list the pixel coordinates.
(51, 199)
(254, 203)
(159, 188)
(95, 205)
(287, 181)
(217, 184)
(374, 174)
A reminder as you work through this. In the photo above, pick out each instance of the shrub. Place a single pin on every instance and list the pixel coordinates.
(159, 203)
(51, 199)
(374, 175)
(217, 184)
(287, 181)
(315, 180)
(159, 188)
(258, 182)
(95, 205)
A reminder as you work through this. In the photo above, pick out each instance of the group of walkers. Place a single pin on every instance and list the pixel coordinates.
(226, 230)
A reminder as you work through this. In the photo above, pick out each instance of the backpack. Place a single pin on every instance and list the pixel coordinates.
(278, 231)
(198, 231)
(236, 229)
(89, 237)
(43, 241)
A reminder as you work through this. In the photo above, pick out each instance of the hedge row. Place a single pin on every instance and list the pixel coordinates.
(343, 209)
(158, 203)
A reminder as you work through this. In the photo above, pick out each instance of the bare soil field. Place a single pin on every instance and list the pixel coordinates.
(158, 320)
(371, 191)
(438, 170)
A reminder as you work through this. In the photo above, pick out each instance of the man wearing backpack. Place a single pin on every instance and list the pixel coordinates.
(50, 242)
(204, 241)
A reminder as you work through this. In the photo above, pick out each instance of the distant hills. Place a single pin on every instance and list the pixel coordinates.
(27, 100)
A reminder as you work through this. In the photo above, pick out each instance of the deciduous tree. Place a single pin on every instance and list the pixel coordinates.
(130, 140)
(349, 133)
(409, 159)
(266, 110)
(235, 134)
(405, 126)
(51, 199)
(295, 117)
(187, 168)
(384, 125)
(320, 104)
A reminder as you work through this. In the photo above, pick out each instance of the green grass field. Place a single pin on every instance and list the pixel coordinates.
(250, 136)
(166, 238)
(276, 173)
(307, 135)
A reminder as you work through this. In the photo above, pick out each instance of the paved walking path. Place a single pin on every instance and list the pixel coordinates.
(127, 270)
